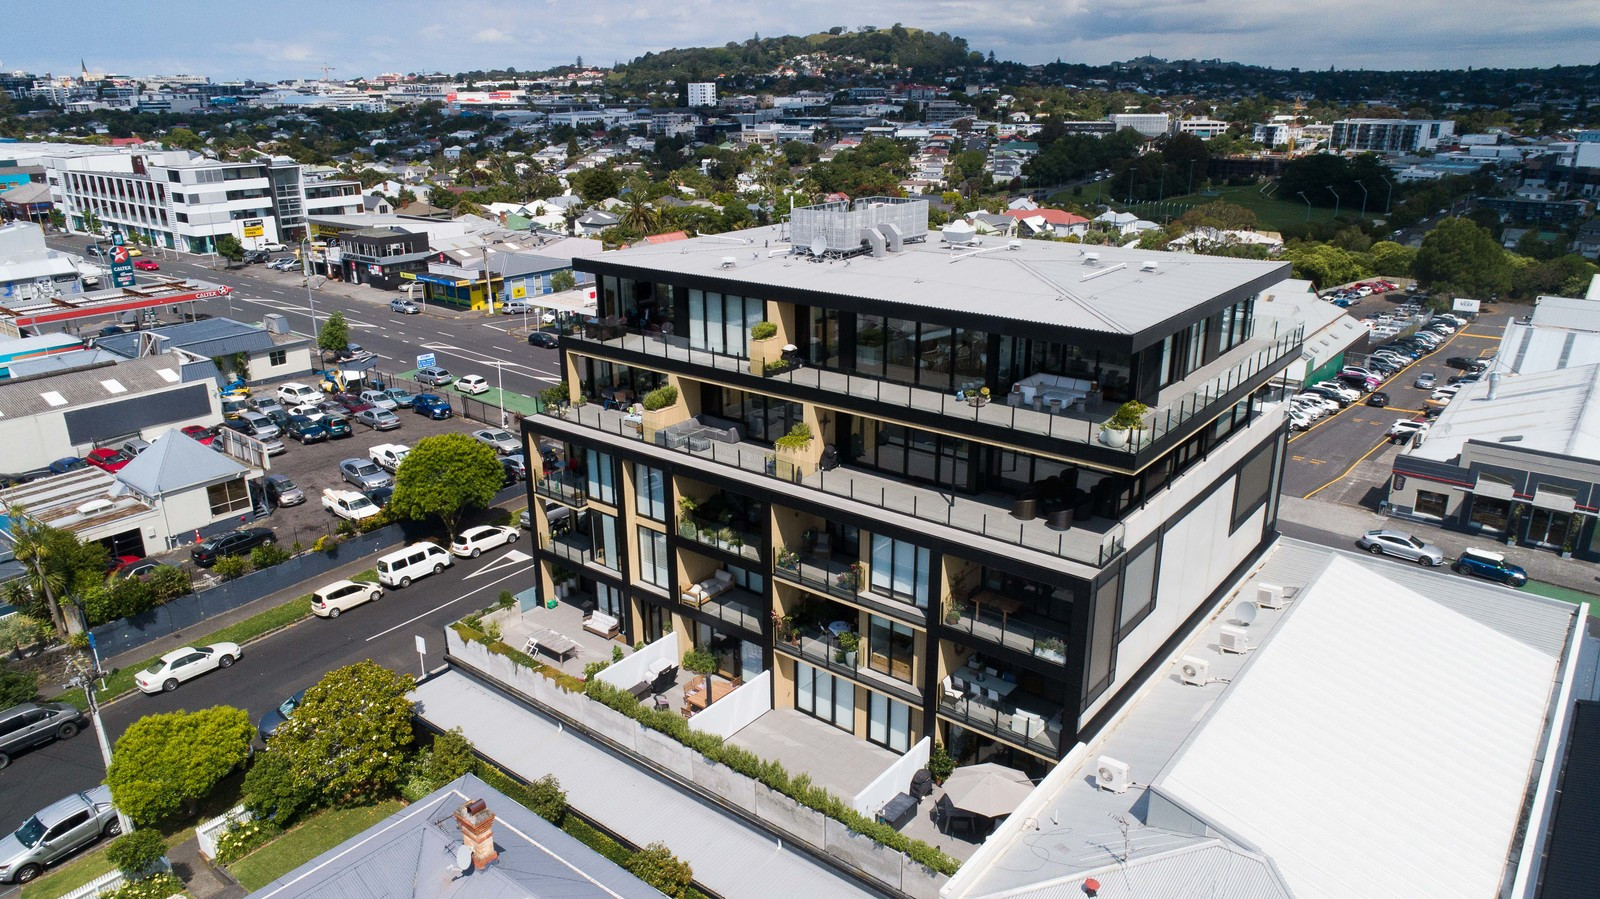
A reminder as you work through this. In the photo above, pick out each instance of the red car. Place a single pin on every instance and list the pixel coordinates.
(350, 403)
(203, 434)
(146, 265)
(108, 459)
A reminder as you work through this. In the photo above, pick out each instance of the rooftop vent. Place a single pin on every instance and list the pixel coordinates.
(1091, 258)
(1149, 265)
(728, 262)
(96, 507)
(1013, 244)
(275, 323)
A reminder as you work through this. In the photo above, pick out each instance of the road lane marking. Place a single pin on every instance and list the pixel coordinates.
(1346, 472)
(509, 557)
(446, 605)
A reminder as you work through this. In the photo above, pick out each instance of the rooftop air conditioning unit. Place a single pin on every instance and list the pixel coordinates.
(1112, 775)
(1149, 265)
(1270, 596)
(1194, 671)
(276, 323)
(1013, 244)
(96, 507)
(1234, 639)
(1091, 258)
(728, 262)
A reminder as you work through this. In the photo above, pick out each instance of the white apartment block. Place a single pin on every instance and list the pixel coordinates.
(702, 93)
(184, 201)
(1390, 135)
(1149, 124)
(1200, 127)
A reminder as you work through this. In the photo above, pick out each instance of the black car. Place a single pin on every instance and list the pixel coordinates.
(251, 257)
(1379, 399)
(1462, 362)
(269, 723)
(380, 496)
(544, 339)
(305, 430)
(233, 543)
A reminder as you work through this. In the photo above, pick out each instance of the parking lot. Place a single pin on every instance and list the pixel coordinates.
(1345, 457)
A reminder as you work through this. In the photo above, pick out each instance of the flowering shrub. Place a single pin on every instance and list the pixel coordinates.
(243, 836)
(156, 886)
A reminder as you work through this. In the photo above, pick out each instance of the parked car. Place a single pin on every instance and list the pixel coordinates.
(1349, 393)
(266, 405)
(402, 398)
(1337, 397)
(282, 492)
(434, 406)
(543, 339)
(377, 419)
(253, 257)
(31, 724)
(1492, 565)
(1425, 381)
(107, 459)
(404, 307)
(329, 601)
(201, 433)
(336, 426)
(364, 474)
(516, 463)
(502, 441)
(259, 425)
(378, 398)
(1463, 362)
(350, 402)
(1408, 431)
(232, 543)
(1378, 399)
(472, 384)
(434, 376)
(1401, 545)
(70, 463)
(184, 664)
(296, 394)
(269, 723)
(57, 831)
(379, 496)
(284, 264)
(146, 265)
(306, 429)
(136, 569)
(471, 542)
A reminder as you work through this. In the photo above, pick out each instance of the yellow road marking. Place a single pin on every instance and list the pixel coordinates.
(1347, 471)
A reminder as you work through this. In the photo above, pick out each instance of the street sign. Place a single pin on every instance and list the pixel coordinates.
(253, 228)
(425, 360)
(121, 266)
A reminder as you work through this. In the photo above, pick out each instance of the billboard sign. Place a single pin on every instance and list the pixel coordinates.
(121, 265)
(254, 228)
(1462, 305)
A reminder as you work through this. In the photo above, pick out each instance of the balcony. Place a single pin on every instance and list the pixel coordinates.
(572, 547)
(1021, 720)
(997, 622)
(1078, 423)
(563, 487)
(736, 606)
(1093, 542)
(842, 579)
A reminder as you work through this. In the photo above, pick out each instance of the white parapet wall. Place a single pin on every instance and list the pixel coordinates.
(732, 713)
(633, 669)
(894, 780)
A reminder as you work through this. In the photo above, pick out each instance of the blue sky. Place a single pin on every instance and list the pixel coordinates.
(366, 37)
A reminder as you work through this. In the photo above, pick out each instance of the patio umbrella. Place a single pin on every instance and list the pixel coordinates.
(790, 348)
(987, 790)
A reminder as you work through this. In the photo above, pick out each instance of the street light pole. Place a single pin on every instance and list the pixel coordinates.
(1302, 195)
(305, 266)
(1363, 198)
(86, 679)
(1335, 200)
(1390, 195)
(500, 384)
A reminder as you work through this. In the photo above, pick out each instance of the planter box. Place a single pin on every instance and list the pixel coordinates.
(651, 421)
(794, 464)
(762, 352)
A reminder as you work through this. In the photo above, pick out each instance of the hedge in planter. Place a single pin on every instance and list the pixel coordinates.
(660, 398)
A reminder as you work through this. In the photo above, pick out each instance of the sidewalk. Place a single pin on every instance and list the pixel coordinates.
(1351, 521)
(203, 880)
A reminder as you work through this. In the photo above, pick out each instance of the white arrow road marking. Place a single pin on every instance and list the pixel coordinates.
(505, 559)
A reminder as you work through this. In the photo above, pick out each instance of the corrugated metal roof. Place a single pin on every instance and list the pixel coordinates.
(207, 337)
(732, 858)
(83, 386)
(1208, 869)
(1554, 411)
(1571, 865)
(411, 855)
(1339, 751)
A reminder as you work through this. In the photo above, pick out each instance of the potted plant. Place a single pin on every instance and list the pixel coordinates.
(1052, 648)
(725, 537)
(787, 558)
(850, 579)
(956, 609)
(1512, 522)
(700, 661)
(1129, 417)
(940, 764)
(1567, 545)
(849, 643)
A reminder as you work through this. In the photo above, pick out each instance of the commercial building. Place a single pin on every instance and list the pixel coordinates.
(32, 272)
(259, 355)
(1200, 127)
(1390, 135)
(902, 503)
(702, 93)
(1149, 124)
(381, 256)
(183, 200)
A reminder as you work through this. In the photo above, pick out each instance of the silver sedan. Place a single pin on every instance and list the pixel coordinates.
(1401, 545)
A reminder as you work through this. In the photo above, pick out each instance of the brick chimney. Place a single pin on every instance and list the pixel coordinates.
(477, 832)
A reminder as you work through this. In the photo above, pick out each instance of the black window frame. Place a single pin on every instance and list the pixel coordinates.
(1240, 515)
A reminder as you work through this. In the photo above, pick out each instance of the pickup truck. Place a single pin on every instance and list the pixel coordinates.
(389, 455)
(348, 504)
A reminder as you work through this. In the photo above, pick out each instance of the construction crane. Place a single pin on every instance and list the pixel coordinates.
(326, 69)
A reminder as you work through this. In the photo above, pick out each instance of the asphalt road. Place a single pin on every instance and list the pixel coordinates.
(274, 667)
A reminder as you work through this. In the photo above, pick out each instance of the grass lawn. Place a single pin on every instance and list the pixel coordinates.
(121, 681)
(306, 841)
(1274, 212)
(1565, 594)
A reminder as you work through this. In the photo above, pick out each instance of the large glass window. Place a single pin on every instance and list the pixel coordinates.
(900, 570)
(1430, 503)
(871, 338)
(228, 497)
(653, 557)
(650, 492)
(1490, 514)
(889, 648)
(721, 323)
(1253, 484)
(1103, 638)
(605, 541)
(889, 723)
(1138, 588)
(608, 599)
(824, 342)
(602, 485)
(827, 697)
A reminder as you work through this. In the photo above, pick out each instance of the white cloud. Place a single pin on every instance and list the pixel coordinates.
(492, 36)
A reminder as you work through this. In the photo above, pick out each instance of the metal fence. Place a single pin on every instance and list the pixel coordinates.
(473, 408)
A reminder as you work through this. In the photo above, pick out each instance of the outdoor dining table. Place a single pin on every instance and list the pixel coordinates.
(1006, 604)
(694, 694)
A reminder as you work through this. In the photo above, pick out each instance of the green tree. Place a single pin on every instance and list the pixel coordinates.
(639, 216)
(449, 758)
(1325, 265)
(335, 333)
(444, 476)
(165, 763)
(57, 568)
(17, 687)
(182, 139)
(274, 791)
(1392, 259)
(134, 853)
(349, 734)
(563, 281)
(229, 248)
(595, 184)
(1219, 215)
(657, 866)
(1461, 257)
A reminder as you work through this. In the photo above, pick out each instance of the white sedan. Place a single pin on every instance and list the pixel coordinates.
(473, 384)
(340, 595)
(180, 665)
(471, 542)
(503, 441)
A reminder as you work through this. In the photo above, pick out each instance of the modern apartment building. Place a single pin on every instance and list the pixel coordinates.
(1390, 135)
(880, 472)
(702, 93)
(183, 200)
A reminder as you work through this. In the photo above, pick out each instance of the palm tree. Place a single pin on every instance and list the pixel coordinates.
(41, 578)
(640, 216)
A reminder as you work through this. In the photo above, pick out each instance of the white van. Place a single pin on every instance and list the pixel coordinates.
(294, 394)
(401, 567)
